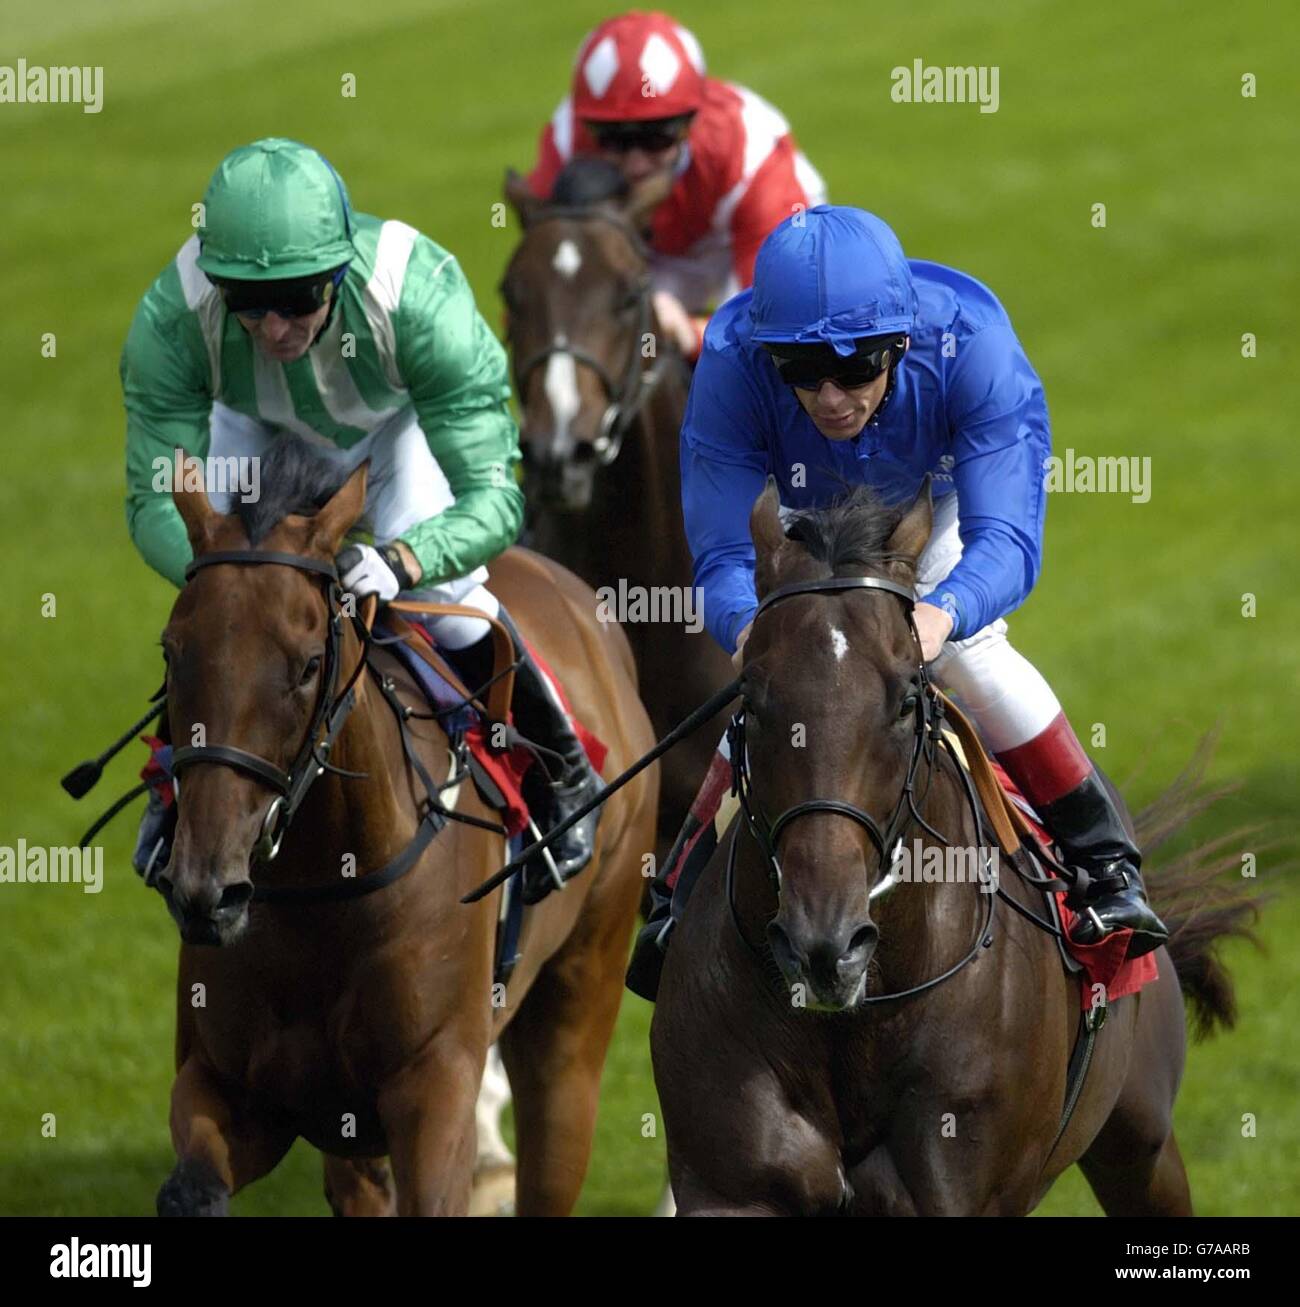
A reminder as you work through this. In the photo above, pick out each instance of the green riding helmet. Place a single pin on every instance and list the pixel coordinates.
(274, 210)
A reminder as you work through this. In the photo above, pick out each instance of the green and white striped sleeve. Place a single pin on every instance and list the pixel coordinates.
(455, 369)
(166, 387)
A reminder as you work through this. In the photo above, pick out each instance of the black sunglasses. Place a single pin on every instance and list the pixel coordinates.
(808, 371)
(296, 298)
(661, 134)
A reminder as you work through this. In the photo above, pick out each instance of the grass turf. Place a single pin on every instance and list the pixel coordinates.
(1135, 328)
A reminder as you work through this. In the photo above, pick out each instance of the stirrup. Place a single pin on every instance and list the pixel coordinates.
(548, 862)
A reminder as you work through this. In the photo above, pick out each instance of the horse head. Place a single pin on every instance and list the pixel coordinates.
(252, 657)
(830, 725)
(580, 325)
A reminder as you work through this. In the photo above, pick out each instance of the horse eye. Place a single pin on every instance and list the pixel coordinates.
(907, 707)
(312, 667)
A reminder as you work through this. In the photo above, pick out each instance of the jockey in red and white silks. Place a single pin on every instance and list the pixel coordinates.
(641, 98)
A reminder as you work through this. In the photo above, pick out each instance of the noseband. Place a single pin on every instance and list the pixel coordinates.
(332, 708)
(927, 736)
(625, 398)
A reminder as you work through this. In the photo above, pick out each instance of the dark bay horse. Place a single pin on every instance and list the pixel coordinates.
(791, 1080)
(602, 397)
(362, 1025)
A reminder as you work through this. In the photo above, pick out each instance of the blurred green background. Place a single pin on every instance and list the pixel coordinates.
(1135, 328)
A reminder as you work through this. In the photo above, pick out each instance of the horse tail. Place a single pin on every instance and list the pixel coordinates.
(1199, 907)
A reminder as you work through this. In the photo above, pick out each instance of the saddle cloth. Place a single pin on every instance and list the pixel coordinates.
(1103, 963)
(505, 768)
(714, 807)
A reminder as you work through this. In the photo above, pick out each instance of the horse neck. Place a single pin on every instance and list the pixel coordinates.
(926, 928)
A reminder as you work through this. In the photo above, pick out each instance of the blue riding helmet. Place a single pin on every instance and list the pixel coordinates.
(830, 276)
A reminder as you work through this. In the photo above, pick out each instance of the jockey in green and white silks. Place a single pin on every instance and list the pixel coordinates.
(287, 313)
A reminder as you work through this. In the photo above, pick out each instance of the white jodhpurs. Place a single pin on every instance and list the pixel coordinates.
(1002, 692)
(404, 486)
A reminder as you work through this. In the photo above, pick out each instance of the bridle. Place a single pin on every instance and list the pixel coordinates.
(627, 396)
(332, 709)
(927, 737)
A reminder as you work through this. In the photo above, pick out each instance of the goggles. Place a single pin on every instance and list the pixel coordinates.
(807, 369)
(298, 297)
(658, 134)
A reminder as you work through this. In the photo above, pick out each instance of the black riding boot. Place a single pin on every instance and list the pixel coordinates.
(651, 944)
(561, 779)
(1090, 833)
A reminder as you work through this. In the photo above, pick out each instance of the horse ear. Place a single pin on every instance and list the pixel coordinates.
(519, 197)
(912, 533)
(191, 500)
(769, 537)
(646, 197)
(333, 522)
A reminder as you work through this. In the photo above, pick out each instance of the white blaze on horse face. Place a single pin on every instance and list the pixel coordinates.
(567, 260)
(562, 395)
(839, 644)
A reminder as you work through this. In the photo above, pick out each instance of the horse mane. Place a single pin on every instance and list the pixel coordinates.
(852, 531)
(295, 478)
(584, 182)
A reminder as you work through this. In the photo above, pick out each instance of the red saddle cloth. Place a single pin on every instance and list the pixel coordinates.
(507, 769)
(1103, 963)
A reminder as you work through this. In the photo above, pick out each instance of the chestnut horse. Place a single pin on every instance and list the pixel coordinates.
(361, 1021)
(602, 397)
(826, 1042)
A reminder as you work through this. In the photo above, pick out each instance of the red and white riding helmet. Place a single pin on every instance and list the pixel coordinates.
(635, 67)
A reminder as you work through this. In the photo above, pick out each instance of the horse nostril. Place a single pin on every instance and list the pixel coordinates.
(235, 896)
(544, 471)
(863, 940)
(788, 958)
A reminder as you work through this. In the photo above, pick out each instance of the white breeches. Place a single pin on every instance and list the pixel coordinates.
(1000, 690)
(404, 486)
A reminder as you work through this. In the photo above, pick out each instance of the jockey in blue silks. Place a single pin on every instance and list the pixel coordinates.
(848, 363)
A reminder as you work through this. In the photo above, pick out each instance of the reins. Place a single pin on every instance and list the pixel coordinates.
(333, 707)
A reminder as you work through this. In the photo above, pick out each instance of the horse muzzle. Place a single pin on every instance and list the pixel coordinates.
(206, 910)
(565, 484)
(825, 970)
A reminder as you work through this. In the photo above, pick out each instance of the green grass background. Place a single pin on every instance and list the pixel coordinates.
(1135, 329)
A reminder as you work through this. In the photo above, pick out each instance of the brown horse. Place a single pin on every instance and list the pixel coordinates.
(362, 1024)
(797, 1073)
(602, 398)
